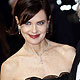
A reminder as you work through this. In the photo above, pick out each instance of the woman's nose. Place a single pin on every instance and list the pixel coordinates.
(34, 29)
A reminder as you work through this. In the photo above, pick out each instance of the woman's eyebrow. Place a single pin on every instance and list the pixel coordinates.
(41, 20)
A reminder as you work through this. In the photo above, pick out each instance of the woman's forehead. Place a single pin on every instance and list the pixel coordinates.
(39, 16)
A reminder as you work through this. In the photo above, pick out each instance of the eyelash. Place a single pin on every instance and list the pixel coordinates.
(38, 23)
(28, 23)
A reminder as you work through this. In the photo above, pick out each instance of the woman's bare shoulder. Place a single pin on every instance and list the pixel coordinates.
(11, 62)
(64, 49)
(61, 46)
(9, 67)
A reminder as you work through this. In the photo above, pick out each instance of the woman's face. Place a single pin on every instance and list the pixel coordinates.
(34, 30)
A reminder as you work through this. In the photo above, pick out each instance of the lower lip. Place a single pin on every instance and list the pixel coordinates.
(34, 36)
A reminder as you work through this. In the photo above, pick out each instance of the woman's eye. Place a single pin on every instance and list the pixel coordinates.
(40, 23)
(28, 23)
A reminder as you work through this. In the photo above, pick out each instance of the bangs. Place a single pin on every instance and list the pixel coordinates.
(26, 9)
(30, 12)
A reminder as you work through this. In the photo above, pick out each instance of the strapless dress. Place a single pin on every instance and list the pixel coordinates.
(62, 76)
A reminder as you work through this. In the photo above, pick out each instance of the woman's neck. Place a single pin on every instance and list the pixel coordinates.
(39, 48)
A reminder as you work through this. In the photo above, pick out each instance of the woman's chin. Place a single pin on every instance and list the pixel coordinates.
(34, 43)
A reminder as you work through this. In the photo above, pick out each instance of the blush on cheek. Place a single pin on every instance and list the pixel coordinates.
(44, 29)
(23, 30)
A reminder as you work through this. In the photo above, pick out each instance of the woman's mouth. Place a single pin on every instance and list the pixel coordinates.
(34, 36)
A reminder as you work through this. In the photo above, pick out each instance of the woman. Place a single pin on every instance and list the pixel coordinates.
(75, 71)
(39, 57)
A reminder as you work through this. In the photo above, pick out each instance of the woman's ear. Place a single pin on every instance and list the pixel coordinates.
(17, 20)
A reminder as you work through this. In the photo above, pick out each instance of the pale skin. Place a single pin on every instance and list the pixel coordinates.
(56, 58)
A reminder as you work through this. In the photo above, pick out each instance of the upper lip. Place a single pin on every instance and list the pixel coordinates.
(34, 36)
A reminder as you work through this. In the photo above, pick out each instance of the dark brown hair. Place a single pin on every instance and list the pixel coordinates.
(26, 9)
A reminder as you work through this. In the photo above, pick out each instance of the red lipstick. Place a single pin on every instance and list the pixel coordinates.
(34, 36)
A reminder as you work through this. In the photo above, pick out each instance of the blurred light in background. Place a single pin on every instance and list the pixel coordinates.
(74, 7)
(59, 2)
(65, 7)
(68, 6)
(76, 1)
